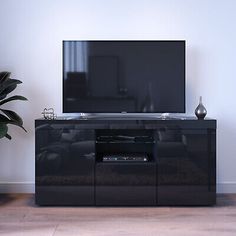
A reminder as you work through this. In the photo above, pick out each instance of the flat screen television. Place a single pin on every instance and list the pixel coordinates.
(124, 76)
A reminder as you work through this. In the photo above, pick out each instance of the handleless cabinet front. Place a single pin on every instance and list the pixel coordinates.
(65, 158)
(186, 161)
(126, 184)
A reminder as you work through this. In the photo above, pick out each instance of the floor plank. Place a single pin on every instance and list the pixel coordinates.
(20, 216)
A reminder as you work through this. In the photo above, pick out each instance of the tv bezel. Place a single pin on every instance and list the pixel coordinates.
(123, 113)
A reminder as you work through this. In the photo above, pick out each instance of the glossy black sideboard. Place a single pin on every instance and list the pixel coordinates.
(181, 169)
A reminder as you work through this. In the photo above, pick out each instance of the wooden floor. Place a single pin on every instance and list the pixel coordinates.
(20, 216)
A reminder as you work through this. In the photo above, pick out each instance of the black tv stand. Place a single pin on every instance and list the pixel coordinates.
(179, 169)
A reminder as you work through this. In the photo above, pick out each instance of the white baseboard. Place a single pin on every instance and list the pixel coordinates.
(226, 187)
(29, 187)
(17, 187)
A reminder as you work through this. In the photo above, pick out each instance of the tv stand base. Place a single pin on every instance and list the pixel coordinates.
(179, 167)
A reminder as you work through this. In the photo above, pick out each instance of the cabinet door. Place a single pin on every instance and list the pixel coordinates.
(126, 184)
(65, 159)
(186, 167)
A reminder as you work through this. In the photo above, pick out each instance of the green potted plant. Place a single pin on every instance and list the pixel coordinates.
(7, 85)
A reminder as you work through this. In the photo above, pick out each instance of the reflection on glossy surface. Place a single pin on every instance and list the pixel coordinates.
(186, 167)
(113, 76)
(64, 157)
(126, 184)
(181, 169)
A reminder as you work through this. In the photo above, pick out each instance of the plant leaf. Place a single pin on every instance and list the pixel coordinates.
(5, 75)
(4, 119)
(16, 97)
(3, 130)
(14, 118)
(8, 83)
(8, 136)
(5, 92)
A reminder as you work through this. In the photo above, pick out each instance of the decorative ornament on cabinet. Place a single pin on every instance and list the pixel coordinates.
(200, 110)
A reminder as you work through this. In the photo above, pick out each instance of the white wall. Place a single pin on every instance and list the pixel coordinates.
(31, 34)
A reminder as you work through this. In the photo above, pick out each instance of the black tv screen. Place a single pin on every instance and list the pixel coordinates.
(123, 76)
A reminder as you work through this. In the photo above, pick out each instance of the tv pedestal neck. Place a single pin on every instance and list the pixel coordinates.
(71, 170)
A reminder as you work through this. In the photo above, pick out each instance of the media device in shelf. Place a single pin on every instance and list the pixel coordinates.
(125, 157)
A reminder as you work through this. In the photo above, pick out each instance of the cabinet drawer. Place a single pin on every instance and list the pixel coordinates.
(125, 184)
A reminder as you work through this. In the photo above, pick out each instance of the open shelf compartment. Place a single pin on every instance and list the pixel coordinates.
(133, 145)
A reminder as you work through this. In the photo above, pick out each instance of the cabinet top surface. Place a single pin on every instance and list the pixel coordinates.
(144, 122)
(123, 119)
